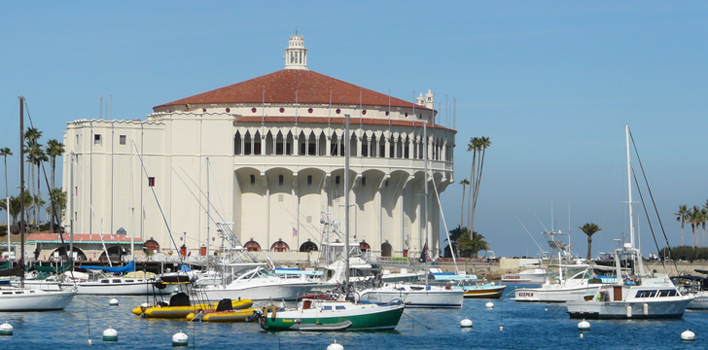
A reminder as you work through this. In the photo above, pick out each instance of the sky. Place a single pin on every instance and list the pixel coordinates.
(552, 84)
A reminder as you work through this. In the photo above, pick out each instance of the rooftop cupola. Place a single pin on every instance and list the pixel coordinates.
(296, 53)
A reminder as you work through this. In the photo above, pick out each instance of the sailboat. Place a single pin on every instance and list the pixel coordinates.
(25, 299)
(638, 293)
(341, 311)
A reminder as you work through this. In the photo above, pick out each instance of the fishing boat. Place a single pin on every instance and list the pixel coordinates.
(180, 306)
(260, 283)
(482, 290)
(531, 276)
(638, 292)
(697, 286)
(573, 281)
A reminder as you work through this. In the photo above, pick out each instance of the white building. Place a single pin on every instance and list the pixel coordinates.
(268, 154)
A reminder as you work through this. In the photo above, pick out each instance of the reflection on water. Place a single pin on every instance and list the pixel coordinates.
(525, 326)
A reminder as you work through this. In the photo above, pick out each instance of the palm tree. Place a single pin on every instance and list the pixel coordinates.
(464, 183)
(4, 152)
(479, 145)
(590, 229)
(35, 155)
(694, 218)
(54, 150)
(682, 216)
(704, 218)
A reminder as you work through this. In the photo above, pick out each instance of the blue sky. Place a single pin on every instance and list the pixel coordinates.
(551, 83)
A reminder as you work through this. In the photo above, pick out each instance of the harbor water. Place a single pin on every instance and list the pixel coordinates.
(525, 326)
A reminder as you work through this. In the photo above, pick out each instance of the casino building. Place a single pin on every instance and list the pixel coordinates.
(265, 155)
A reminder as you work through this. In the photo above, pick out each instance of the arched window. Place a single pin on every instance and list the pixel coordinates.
(252, 246)
(386, 249)
(308, 247)
(279, 247)
(365, 247)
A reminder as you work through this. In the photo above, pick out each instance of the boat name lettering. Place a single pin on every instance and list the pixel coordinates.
(525, 294)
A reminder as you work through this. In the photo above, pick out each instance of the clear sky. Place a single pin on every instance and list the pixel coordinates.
(552, 84)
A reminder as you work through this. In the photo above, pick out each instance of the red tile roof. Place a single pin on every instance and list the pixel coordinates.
(280, 88)
(81, 238)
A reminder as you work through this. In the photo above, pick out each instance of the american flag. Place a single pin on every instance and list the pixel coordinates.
(294, 232)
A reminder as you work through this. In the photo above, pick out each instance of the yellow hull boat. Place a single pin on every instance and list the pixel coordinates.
(159, 311)
(223, 316)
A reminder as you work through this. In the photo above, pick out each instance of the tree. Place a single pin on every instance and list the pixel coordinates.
(54, 150)
(468, 244)
(464, 183)
(59, 199)
(682, 217)
(479, 145)
(590, 229)
(694, 218)
(35, 157)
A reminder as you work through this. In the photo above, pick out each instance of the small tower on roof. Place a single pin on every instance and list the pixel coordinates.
(296, 53)
(427, 101)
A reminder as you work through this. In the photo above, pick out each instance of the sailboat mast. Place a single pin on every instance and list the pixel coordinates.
(208, 218)
(346, 199)
(71, 205)
(425, 156)
(21, 225)
(629, 190)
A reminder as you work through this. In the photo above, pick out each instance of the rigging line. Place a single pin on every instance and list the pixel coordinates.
(651, 227)
(540, 222)
(651, 195)
(142, 165)
(529, 233)
(195, 196)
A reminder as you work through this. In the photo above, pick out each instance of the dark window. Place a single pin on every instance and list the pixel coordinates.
(280, 180)
(122, 139)
(97, 139)
(151, 181)
(253, 179)
(309, 179)
(363, 180)
(279, 148)
(336, 180)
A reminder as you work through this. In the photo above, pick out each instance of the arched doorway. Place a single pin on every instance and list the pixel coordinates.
(279, 247)
(152, 246)
(116, 254)
(365, 247)
(80, 255)
(252, 246)
(308, 246)
(386, 249)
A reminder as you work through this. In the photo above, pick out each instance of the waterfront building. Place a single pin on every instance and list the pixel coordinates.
(267, 153)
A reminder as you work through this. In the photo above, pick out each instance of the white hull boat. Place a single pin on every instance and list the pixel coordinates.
(19, 299)
(125, 286)
(655, 298)
(418, 296)
(533, 276)
(577, 287)
(260, 284)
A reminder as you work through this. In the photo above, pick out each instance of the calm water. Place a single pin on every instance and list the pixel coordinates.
(526, 326)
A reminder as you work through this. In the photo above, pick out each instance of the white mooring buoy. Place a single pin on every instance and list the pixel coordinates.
(687, 335)
(180, 339)
(110, 334)
(6, 329)
(581, 335)
(335, 346)
(113, 302)
(466, 323)
(584, 326)
(489, 305)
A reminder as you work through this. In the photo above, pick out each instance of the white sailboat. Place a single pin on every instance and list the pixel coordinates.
(638, 293)
(24, 299)
(418, 295)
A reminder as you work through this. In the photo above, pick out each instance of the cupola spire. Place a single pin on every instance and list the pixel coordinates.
(296, 53)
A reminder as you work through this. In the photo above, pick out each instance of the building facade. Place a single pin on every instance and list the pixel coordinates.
(265, 156)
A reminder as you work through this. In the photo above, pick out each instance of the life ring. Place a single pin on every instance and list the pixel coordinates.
(270, 308)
